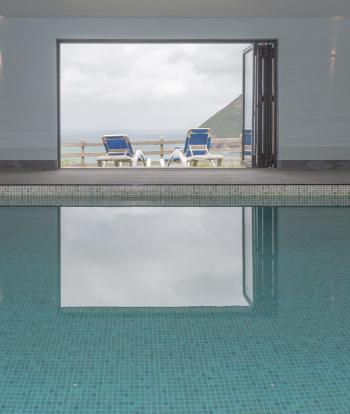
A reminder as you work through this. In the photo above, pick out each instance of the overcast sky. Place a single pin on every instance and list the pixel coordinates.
(147, 86)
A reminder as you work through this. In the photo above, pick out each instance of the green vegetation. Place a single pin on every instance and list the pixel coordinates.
(227, 122)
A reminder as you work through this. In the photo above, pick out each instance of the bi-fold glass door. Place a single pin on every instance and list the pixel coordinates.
(259, 105)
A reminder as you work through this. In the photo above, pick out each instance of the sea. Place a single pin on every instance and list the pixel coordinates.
(94, 135)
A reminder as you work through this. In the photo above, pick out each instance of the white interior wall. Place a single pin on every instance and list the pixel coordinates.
(313, 91)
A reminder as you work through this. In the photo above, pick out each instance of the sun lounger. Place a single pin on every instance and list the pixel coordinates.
(119, 150)
(196, 148)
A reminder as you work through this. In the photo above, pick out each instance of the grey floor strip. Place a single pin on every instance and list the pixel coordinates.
(142, 176)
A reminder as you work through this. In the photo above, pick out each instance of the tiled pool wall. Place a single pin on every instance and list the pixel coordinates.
(176, 195)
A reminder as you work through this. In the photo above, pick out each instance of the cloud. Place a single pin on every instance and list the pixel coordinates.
(169, 89)
(147, 86)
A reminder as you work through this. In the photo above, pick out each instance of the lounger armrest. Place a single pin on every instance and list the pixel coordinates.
(138, 156)
(178, 153)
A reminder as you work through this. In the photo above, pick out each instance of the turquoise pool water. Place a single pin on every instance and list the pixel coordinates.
(174, 310)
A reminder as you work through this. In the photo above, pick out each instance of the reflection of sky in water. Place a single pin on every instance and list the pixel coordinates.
(142, 256)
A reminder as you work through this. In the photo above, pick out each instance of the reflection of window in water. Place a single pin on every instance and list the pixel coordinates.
(145, 256)
(151, 257)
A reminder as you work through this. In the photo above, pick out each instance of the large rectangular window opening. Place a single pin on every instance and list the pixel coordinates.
(166, 104)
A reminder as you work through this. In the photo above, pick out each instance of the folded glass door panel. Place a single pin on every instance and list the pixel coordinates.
(259, 105)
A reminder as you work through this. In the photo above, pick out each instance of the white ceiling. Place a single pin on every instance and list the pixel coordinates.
(174, 8)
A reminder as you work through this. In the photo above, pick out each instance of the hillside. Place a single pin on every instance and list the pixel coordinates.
(228, 121)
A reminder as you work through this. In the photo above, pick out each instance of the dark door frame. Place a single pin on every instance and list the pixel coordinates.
(62, 41)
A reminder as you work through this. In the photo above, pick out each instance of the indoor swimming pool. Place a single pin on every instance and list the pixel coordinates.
(174, 310)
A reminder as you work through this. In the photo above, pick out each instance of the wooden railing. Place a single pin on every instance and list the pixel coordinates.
(166, 147)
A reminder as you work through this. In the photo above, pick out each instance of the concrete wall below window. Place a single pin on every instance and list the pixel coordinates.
(314, 90)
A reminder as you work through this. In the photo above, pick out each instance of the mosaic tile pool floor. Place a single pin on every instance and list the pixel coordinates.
(286, 350)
